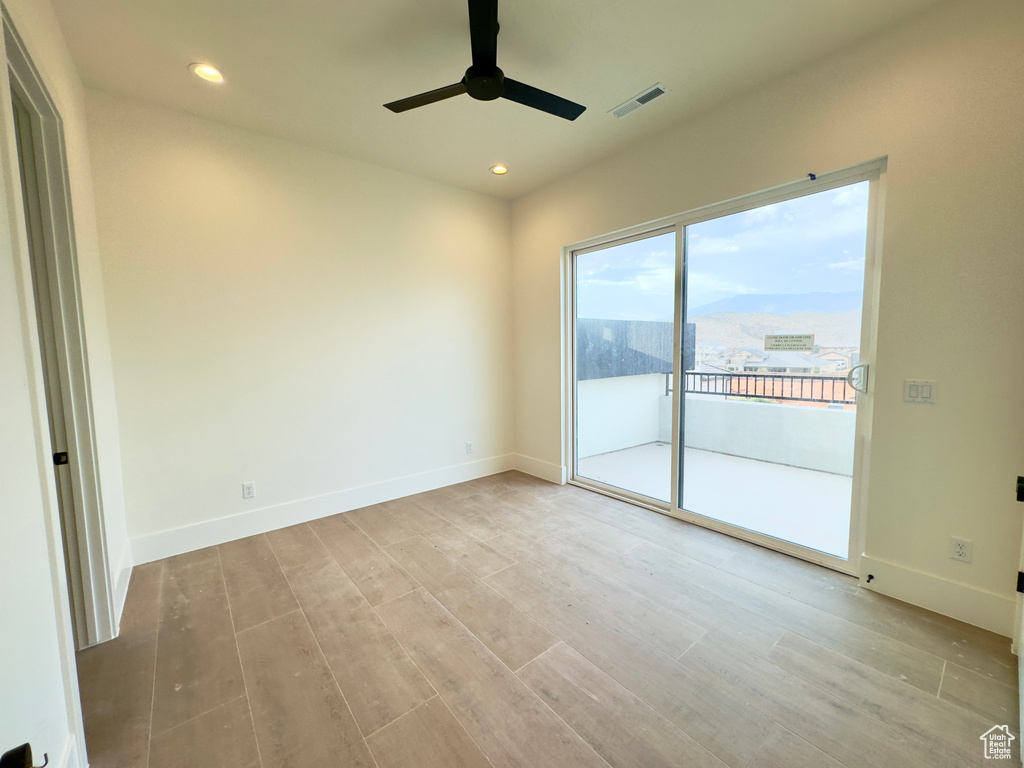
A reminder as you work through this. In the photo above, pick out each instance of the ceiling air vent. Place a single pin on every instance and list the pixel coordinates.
(638, 101)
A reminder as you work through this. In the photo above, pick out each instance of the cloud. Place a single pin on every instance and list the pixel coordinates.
(659, 281)
(635, 267)
(710, 246)
(850, 196)
(703, 288)
(762, 214)
(853, 265)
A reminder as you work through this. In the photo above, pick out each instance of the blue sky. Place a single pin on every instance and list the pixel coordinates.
(809, 244)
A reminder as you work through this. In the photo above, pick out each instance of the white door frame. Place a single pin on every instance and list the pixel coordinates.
(872, 171)
(61, 261)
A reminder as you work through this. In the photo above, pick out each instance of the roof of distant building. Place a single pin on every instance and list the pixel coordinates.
(783, 359)
(762, 359)
(705, 368)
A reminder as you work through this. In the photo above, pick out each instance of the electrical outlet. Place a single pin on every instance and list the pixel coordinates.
(469, 447)
(248, 490)
(960, 549)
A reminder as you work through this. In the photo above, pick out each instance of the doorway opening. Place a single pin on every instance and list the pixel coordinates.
(30, 191)
(56, 296)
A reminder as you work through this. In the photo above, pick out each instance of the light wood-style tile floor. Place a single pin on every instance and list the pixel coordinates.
(510, 622)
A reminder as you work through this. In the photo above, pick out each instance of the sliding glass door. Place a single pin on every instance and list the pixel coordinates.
(624, 309)
(774, 296)
(720, 368)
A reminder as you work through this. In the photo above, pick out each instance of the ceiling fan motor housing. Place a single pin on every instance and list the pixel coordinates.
(485, 84)
(484, 81)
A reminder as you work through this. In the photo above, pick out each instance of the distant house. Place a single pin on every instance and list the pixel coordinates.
(839, 358)
(735, 359)
(749, 359)
(708, 379)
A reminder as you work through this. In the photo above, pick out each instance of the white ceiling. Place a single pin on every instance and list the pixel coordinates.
(318, 71)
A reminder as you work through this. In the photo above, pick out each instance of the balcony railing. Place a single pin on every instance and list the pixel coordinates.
(773, 386)
(731, 418)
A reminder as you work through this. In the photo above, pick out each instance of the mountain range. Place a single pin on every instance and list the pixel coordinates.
(748, 329)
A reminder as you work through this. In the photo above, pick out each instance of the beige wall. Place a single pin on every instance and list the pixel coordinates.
(333, 331)
(943, 97)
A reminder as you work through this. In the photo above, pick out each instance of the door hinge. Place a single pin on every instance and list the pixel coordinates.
(60, 458)
(1020, 581)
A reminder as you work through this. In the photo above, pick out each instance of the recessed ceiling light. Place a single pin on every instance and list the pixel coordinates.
(207, 72)
(499, 170)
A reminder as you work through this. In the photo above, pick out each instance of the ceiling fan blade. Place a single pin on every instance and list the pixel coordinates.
(483, 32)
(521, 93)
(421, 100)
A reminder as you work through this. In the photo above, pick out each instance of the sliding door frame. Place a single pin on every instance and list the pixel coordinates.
(873, 172)
(632, 235)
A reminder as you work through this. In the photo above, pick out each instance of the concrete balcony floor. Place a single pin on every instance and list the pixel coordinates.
(802, 506)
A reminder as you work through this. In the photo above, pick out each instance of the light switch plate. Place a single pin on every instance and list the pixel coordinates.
(918, 391)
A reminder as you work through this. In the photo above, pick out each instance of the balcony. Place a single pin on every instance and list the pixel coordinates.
(771, 453)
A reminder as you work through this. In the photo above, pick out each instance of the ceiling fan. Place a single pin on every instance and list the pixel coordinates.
(484, 80)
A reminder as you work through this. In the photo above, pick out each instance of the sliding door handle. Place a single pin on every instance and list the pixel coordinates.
(861, 383)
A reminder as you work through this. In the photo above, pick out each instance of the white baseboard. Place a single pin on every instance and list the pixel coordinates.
(553, 473)
(959, 601)
(121, 578)
(175, 541)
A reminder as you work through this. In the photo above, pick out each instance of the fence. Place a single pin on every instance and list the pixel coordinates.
(773, 386)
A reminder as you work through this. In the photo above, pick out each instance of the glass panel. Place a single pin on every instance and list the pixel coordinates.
(773, 324)
(624, 351)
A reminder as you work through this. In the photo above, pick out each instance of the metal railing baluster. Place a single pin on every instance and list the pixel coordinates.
(784, 387)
